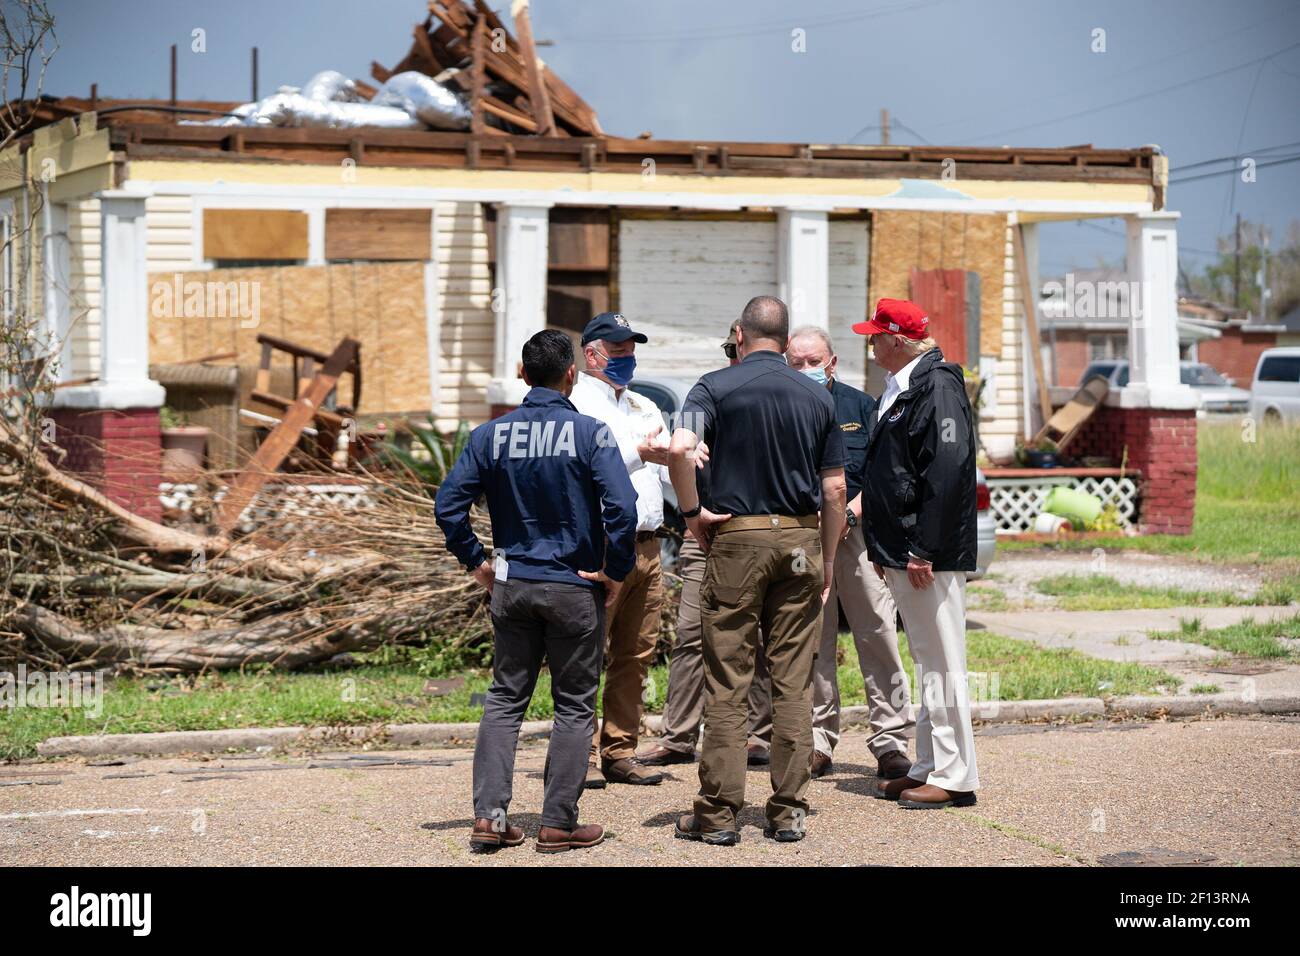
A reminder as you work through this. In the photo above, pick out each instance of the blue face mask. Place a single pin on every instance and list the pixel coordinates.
(818, 375)
(619, 369)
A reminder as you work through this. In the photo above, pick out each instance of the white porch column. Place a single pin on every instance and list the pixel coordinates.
(56, 265)
(1153, 326)
(803, 265)
(124, 312)
(519, 294)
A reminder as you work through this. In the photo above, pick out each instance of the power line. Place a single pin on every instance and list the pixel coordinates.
(1232, 172)
(783, 25)
(1218, 38)
(1225, 159)
(1140, 96)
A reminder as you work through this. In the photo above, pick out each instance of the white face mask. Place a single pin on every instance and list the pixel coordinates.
(816, 373)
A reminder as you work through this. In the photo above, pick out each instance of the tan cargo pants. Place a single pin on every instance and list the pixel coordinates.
(766, 576)
(631, 630)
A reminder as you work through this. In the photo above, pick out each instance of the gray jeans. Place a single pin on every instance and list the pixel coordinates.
(563, 624)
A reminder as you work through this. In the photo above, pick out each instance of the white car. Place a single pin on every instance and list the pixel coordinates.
(1275, 392)
(1219, 394)
(670, 394)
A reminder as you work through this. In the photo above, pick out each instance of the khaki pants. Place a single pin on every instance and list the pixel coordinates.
(769, 578)
(684, 707)
(870, 611)
(935, 621)
(631, 630)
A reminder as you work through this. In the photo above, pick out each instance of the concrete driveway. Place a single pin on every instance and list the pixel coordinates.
(1224, 791)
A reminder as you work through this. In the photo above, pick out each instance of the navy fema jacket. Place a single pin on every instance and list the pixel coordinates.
(559, 496)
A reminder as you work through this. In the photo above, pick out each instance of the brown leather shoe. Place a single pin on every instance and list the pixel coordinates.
(892, 765)
(488, 836)
(595, 780)
(890, 789)
(930, 797)
(555, 840)
(661, 756)
(756, 755)
(626, 770)
(821, 764)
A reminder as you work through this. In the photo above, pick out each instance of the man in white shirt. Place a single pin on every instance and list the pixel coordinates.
(632, 621)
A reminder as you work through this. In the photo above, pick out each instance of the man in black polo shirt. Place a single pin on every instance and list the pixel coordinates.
(776, 459)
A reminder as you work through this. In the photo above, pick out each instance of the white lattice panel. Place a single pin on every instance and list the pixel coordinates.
(283, 503)
(1017, 502)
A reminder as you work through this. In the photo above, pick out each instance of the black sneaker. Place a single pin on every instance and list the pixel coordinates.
(692, 831)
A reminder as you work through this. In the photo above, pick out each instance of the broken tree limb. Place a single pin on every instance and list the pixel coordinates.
(284, 641)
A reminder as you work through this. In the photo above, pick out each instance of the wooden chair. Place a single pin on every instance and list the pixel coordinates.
(316, 376)
(1069, 418)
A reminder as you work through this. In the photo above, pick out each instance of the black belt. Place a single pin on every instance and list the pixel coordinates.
(642, 536)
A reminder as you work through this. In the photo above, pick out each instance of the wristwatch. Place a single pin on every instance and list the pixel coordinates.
(694, 512)
(851, 518)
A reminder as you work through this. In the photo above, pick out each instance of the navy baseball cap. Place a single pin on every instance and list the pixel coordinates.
(612, 327)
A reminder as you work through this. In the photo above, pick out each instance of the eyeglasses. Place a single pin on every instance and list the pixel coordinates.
(729, 350)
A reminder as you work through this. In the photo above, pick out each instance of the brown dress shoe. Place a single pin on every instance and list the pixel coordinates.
(821, 764)
(661, 756)
(930, 797)
(595, 780)
(626, 770)
(890, 789)
(892, 765)
(488, 836)
(555, 840)
(756, 755)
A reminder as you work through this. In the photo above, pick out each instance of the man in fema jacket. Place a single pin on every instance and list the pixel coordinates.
(921, 513)
(564, 526)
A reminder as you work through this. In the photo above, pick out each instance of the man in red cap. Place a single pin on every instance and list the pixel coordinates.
(920, 519)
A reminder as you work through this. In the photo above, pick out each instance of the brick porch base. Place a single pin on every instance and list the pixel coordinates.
(119, 452)
(1161, 444)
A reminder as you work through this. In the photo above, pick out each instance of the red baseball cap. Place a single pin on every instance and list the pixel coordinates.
(897, 317)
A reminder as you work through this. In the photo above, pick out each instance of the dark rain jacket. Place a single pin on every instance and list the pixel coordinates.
(920, 473)
(557, 491)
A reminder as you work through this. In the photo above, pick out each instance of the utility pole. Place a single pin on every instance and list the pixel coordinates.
(1236, 268)
(884, 126)
(254, 74)
(1262, 277)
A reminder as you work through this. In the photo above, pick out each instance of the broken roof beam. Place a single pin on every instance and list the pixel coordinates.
(537, 93)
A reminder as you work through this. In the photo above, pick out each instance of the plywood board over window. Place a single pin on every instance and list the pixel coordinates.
(379, 234)
(903, 240)
(382, 305)
(268, 234)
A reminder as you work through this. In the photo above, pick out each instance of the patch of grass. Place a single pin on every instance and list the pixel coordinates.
(372, 693)
(1205, 689)
(1249, 638)
(986, 598)
(389, 688)
(1100, 592)
(1246, 501)
(1018, 670)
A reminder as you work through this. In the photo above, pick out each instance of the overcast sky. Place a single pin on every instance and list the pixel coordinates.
(1202, 79)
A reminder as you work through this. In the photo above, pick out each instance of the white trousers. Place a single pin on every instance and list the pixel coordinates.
(935, 621)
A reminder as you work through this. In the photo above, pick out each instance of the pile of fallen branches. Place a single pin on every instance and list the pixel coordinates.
(87, 584)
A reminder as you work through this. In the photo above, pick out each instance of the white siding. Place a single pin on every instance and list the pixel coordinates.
(84, 287)
(468, 324)
(170, 226)
(683, 283)
(999, 433)
(848, 298)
